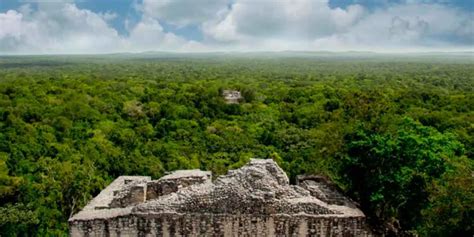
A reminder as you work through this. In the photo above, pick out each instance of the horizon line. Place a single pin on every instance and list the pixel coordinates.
(246, 52)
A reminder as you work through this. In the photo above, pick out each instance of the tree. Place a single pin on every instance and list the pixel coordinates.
(451, 204)
(389, 173)
(8, 184)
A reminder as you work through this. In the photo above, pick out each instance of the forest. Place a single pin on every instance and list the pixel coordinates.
(394, 132)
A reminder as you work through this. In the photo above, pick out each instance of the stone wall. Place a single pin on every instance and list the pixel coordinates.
(222, 225)
(255, 200)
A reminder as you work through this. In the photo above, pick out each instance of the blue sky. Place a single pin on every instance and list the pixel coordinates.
(108, 26)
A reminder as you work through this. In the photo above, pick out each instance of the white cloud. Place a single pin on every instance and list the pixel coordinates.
(61, 27)
(406, 27)
(283, 19)
(149, 35)
(108, 16)
(183, 12)
(314, 25)
(64, 28)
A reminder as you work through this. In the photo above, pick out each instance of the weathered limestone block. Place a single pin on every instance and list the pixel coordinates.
(255, 200)
(133, 194)
(173, 182)
(232, 96)
(321, 188)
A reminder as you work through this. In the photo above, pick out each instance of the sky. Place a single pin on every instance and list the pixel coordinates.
(113, 26)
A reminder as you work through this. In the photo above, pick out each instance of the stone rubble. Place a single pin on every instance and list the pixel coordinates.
(232, 96)
(255, 200)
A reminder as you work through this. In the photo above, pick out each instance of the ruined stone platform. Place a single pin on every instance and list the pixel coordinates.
(255, 200)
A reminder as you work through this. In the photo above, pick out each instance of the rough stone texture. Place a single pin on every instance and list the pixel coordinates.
(173, 182)
(231, 96)
(321, 188)
(255, 200)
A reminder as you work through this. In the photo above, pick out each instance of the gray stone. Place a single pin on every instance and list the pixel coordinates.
(255, 200)
(231, 96)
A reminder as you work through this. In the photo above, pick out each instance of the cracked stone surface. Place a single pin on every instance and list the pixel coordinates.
(254, 200)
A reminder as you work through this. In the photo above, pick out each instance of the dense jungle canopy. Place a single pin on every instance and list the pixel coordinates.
(395, 132)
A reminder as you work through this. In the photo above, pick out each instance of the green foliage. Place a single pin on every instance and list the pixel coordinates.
(17, 220)
(389, 172)
(8, 184)
(451, 204)
(396, 134)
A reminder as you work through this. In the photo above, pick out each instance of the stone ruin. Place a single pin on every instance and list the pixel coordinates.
(231, 96)
(255, 200)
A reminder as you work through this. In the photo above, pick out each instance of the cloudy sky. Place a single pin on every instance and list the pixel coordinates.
(107, 26)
